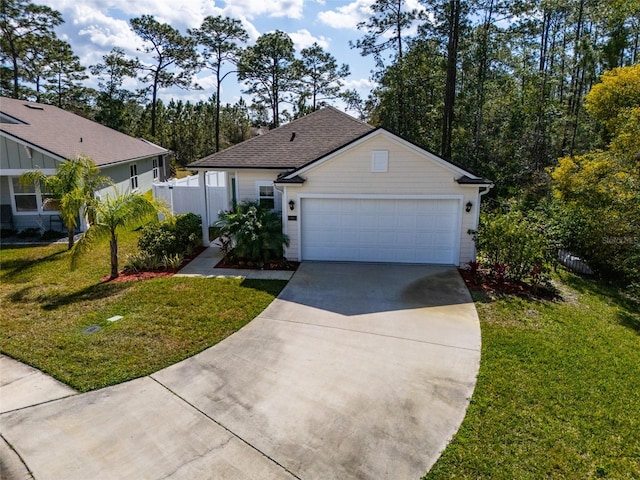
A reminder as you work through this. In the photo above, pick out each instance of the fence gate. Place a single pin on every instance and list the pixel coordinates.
(183, 195)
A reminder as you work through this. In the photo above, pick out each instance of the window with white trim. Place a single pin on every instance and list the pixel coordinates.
(29, 198)
(380, 161)
(156, 170)
(266, 194)
(133, 170)
(25, 197)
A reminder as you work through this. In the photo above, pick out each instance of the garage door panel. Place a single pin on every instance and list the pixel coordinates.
(380, 230)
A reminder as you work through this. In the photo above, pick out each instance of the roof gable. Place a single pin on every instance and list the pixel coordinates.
(292, 145)
(455, 170)
(64, 135)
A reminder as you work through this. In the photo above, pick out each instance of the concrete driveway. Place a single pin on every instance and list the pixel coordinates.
(356, 371)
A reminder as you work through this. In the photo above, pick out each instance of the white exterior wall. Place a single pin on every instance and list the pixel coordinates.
(247, 180)
(409, 173)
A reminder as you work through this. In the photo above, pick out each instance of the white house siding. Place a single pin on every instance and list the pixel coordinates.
(409, 173)
(247, 181)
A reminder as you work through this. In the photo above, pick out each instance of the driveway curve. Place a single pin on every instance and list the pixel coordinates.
(356, 371)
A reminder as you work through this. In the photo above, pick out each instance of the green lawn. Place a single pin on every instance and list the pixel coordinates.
(558, 393)
(45, 307)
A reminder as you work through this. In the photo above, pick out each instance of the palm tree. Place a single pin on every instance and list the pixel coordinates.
(111, 213)
(72, 188)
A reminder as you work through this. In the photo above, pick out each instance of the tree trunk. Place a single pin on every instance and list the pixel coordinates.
(450, 86)
(114, 255)
(218, 103)
(154, 99)
(70, 232)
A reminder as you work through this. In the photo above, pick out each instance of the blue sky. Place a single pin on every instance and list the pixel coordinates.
(93, 27)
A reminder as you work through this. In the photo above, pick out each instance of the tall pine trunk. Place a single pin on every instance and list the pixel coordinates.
(450, 86)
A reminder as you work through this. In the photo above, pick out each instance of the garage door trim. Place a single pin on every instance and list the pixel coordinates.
(458, 223)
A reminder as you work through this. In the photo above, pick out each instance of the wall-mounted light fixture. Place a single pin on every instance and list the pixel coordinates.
(292, 205)
(468, 207)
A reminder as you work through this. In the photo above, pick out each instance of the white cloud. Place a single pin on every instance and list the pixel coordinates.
(360, 84)
(347, 16)
(103, 30)
(272, 8)
(303, 39)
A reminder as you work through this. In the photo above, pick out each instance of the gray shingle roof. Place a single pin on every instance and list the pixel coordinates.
(292, 145)
(68, 135)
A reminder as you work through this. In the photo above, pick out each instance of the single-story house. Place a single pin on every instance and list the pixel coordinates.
(39, 136)
(351, 192)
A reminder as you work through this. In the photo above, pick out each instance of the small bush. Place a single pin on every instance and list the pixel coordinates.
(172, 262)
(514, 246)
(142, 262)
(253, 233)
(171, 237)
(29, 233)
(7, 232)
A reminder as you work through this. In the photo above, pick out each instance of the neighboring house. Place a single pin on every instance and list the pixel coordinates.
(39, 136)
(352, 192)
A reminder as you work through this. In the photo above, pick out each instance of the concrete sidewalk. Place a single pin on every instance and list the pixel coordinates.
(24, 386)
(356, 371)
(204, 266)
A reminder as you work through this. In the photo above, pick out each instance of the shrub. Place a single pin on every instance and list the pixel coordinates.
(513, 245)
(142, 261)
(171, 237)
(29, 233)
(188, 231)
(172, 262)
(158, 239)
(253, 233)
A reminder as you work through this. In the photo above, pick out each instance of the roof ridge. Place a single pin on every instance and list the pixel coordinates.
(286, 125)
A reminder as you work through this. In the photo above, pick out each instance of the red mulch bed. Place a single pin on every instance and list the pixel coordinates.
(280, 265)
(129, 275)
(489, 284)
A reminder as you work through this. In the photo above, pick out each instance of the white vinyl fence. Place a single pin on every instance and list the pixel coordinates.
(183, 195)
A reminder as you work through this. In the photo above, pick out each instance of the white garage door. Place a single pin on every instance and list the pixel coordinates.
(380, 230)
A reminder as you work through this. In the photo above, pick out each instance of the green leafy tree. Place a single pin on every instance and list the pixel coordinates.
(112, 213)
(72, 188)
(267, 67)
(174, 58)
(319, 77)
(219, 38)
(600, 191)
(23, 26)
(235, 122)
(113, 99)
(64, 77)
(386, 33)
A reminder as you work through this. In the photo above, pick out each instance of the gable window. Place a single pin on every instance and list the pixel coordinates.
(133, 170)
(29, 199)
(156, 170)
(380, 161)
(266, 195)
